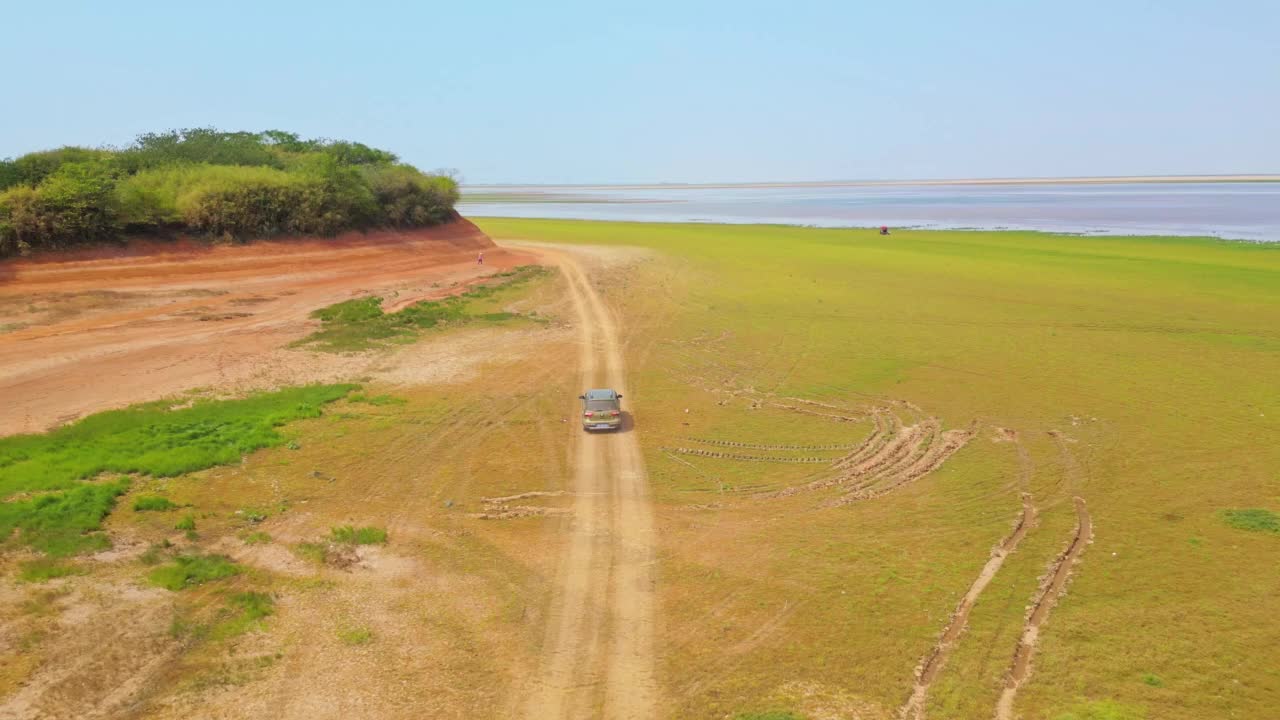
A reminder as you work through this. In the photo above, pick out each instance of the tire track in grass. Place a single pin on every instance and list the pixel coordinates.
(933, 662)
(1052, 588)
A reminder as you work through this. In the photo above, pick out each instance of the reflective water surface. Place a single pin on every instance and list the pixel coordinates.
(1244, 210)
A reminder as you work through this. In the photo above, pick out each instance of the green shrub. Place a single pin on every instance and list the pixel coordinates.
(75, 204)
(198, 145)
(359, 536)
(207, 182)
(1253, 519)
(10, 175)
(33, 168)
(152, 503)
(188, 522)
(191, 570)
(407, 198)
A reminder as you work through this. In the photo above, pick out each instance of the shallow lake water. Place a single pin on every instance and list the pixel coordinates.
(1234, 210)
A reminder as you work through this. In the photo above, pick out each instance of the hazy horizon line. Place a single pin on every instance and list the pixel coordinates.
(1031, 180)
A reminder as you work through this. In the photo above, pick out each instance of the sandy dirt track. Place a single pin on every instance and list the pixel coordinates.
(598, 657)
(91, 331)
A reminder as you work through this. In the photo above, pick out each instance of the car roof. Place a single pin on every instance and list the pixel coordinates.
(601, 394)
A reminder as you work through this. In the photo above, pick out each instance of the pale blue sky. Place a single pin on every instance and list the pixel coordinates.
(671, 91)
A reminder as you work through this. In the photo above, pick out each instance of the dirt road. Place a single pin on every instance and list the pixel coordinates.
(597, 658)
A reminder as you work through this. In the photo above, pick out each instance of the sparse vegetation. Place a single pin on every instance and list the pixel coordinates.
(203, 181)
(256, 538)
(190, 570)
(36, 571)
(155, 553)
(360, 324)
(771, 715)
(355, 635)
(188, 522)
(349, 535)
(152, 503)
(311, 552)
(377, 400)
(248, 610)
(1253, 519)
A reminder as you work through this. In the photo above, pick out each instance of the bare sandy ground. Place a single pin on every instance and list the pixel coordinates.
(86, 332)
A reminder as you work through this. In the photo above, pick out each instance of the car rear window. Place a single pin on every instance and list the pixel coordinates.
(598, 405)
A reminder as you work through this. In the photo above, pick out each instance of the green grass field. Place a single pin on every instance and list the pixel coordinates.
(1154, 360)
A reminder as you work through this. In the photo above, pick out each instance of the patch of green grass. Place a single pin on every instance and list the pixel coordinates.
(151, 439)
(62, 523)
(249, 608)
(256, 538)
(188, 522)
(61, 517)
(355, 635)
(359, 536)
(361, 323)
(191, 570)
(37, 571)
(152, 503)
(1152, 680)
(1253, 519)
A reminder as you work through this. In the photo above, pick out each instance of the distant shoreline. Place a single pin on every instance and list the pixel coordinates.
(1095, 180)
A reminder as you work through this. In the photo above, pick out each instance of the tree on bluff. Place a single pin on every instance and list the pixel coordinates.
(205, 181)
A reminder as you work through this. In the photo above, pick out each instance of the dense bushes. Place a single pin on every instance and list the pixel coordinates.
(231, 185)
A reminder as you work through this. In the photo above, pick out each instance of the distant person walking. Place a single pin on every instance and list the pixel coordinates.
(480, 258)
(884, 229)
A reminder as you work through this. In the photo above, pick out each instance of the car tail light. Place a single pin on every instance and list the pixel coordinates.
(588, 414)
(615, 413)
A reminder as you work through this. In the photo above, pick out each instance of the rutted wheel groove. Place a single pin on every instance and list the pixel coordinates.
(597, 659)
(1053, 586)
(932, 663)
(745, 458)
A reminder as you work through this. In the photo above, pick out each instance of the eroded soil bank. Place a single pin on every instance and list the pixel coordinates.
(94, 330)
